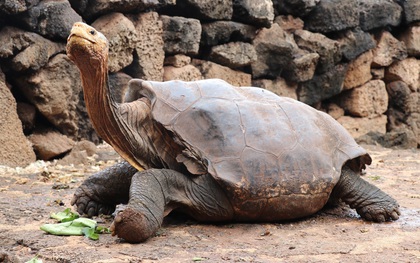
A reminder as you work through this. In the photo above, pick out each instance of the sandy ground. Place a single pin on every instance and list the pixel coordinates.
(29, 195)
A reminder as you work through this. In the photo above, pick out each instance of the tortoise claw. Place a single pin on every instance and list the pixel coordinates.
(379, 212)
(395, 215)
(116, 221)
(86, 203)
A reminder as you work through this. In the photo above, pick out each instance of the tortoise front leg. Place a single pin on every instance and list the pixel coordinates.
(101, 192)
(370, 202)
(155, 193)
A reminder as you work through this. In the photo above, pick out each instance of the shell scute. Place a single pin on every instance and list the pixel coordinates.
(178, 94)
(261, 121)
(217, 137)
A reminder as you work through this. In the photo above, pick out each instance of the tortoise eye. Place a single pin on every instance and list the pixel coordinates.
(92, 32)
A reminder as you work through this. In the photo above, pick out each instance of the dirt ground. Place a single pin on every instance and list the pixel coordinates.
(28, 196)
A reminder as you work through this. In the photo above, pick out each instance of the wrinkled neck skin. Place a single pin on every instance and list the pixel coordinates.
(103, 110)
(100, 107)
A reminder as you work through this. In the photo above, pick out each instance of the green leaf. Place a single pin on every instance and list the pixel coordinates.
(72, 228)
(65, 216)
(62, 229)
(34, 260)
(102, 230)
(73, 225)
(90, 233)
(83, 222)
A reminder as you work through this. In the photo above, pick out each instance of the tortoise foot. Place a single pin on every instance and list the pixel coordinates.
(371, 203)
(131, 226)
(380, 212)
(89, 204)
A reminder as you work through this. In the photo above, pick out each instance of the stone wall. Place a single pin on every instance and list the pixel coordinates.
(356, 60)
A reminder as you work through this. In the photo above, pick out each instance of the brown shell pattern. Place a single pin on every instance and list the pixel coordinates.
(251, 140)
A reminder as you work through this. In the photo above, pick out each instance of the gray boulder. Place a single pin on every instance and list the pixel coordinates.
(328, 49)
(221, 32)
(333, 15)
(234, 54)
(274, 52)
(181, 35)
(354, 42)
(13, 7)
(51, 18)
(399, 99)
(411, 10)
(404, 110)
(26, 50)
(94, 8)
(324, 86)
(302, 67)
(294, 7)
(379, 13)
(258, 13)
(204, 9)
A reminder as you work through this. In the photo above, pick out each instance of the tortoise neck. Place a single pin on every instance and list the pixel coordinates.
(111, 122)
(100, 105)
(102, 109)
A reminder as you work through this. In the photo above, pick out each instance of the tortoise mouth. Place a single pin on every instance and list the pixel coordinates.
(72, 36)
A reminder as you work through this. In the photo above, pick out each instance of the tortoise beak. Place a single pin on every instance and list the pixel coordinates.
(81, 30)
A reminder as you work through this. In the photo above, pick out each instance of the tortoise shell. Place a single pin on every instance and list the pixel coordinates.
(260, 147)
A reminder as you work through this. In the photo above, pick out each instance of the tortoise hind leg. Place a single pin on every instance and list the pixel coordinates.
(155, 193)
(370, 202)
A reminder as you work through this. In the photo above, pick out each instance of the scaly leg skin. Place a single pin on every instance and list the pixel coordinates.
(371, 203)
(101, 192)
(155, 193)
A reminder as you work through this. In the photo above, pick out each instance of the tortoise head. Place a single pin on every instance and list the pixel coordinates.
(87, 47)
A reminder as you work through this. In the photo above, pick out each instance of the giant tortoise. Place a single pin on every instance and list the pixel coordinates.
(214, 151)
